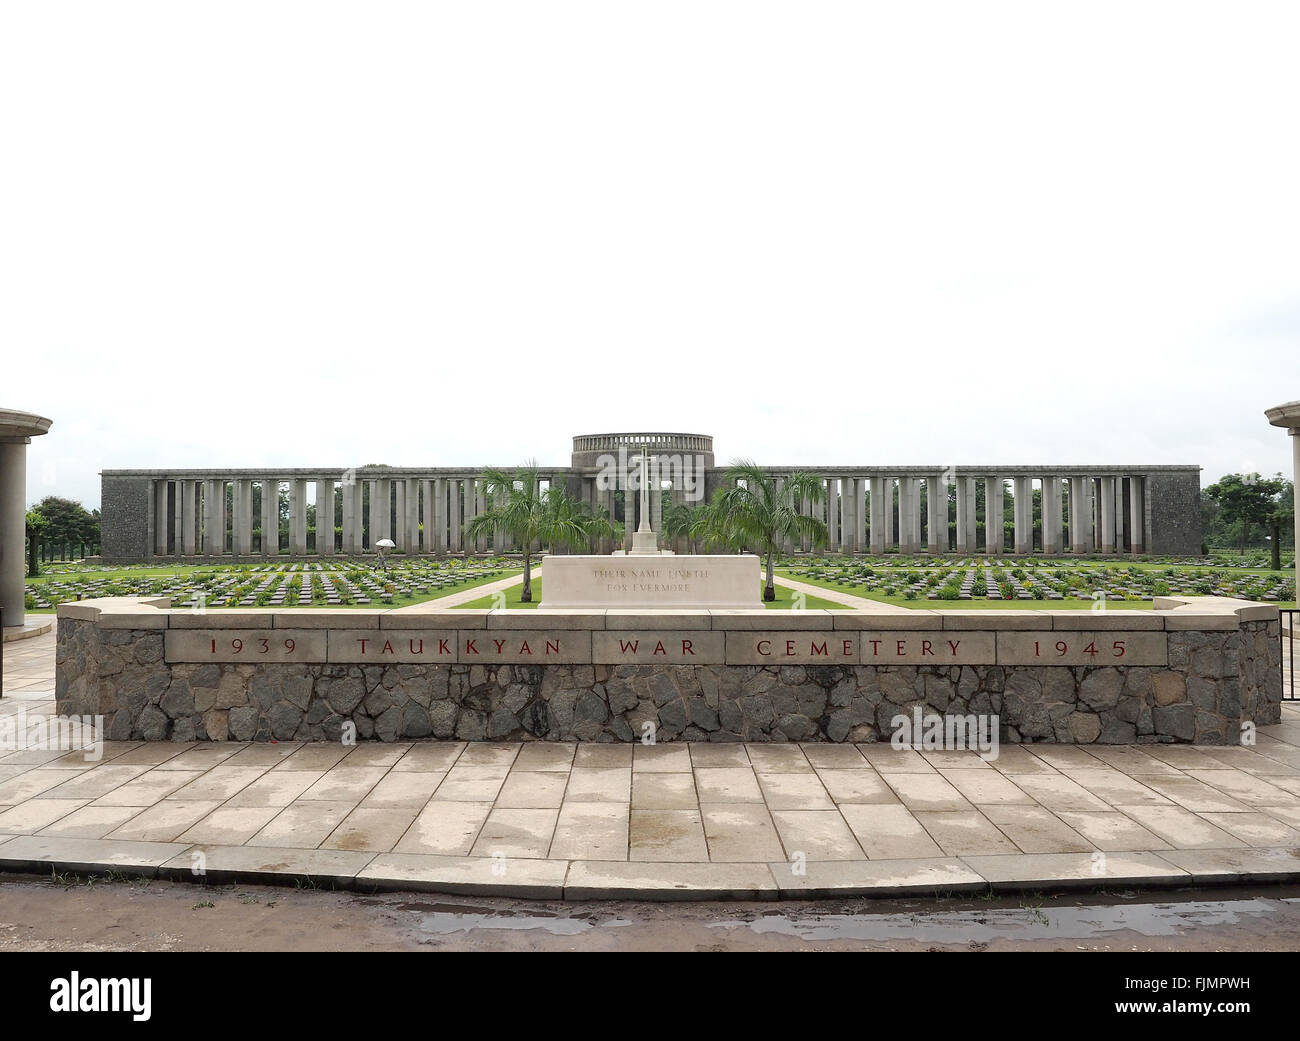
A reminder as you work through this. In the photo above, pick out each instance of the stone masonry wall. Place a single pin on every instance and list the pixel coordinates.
(1214, 680)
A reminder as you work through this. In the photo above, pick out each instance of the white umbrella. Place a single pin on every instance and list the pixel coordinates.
(383, 546)
(386, 544)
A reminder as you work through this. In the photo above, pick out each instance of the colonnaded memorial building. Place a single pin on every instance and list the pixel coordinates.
(173, 513)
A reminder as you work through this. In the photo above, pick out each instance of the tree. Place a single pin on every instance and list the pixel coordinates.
(36, 525)
(67, 522)
(754, 512)
(532, 517)
(1282, 516)
(1246, 499)
(678, 522)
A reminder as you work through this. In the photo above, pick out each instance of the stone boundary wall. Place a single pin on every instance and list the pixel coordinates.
(1192, 670)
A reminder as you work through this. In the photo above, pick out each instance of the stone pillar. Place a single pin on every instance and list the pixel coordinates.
(325, 517)
(860, 513)
(1108, 515)
(270, 518)
(936, 505)
(1023, 538)
(848, 518)
(891, 535)
(1288, 418)
(906, 513)
(832, 516)
(426, 516)
(1051, 515)
(13, 529)
(350, 490)
(412, 515)
(242, 543)
(440, 515)
(1137, 512)
(298, 517)
(186, 533)
(876, 511)
(178, 509)
(159, 517)
(994, 541)
(16, 432)
(400, 535)
(965, 537)
(480, 508)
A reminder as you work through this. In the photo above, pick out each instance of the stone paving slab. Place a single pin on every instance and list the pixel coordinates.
(670, 822)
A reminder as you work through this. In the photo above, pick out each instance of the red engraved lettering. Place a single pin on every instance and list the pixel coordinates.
(659, 648)
(954, 644)
(552, 647)
(688, 647)
(414, 649)
(363, 646)
(500, 644)
(443, 648)
(388, 647)
(624, 646)
(926, 648)
(524, 648)
(761, 644)
(470, 648)
(875, 648)
(818, 650)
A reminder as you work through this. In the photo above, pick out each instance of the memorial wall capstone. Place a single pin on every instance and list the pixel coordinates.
(1190, 672)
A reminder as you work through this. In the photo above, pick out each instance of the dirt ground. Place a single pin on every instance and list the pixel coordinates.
(97, 914)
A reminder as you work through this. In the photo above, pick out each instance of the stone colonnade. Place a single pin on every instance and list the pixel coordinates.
(964, 511)
(195, 514)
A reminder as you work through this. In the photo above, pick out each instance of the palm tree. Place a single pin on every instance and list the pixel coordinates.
(754, 512)
(679, 522)
(532, 517)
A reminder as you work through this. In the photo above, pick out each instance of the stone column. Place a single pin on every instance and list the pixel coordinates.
(891, 534)
(13, 529)
(186, 534)
(936, 505)
(832, 516)
(1051, 515)
(1137, 512)
(178, 509)
(1108, 515)
(426, 517)
(1024, 516)
(242, 543)
(906, 512)
(400, 535)
(876, 512)
(454, 492)
(351, 514)
(480, 508)
(270, 518)
(16, 432)
(1288, 418)
(994, 542)
(412, 515)
(325, 517)
(860, 514)
(298, 513)
(848, 518)
(159, 517)
(440, 515)
(206, 521)
(965, 537)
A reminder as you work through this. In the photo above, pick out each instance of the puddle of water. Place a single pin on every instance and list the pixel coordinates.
(1022, 924)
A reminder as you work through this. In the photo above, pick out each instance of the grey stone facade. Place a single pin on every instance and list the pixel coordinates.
(126, 519)
(1173, 507)
(1215, 680)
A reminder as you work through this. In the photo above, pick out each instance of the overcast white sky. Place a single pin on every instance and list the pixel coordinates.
(460, 233)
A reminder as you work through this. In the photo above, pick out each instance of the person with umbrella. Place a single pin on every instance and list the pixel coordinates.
(382, 547)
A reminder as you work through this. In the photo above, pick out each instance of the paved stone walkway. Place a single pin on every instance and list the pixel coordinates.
(671, 821)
